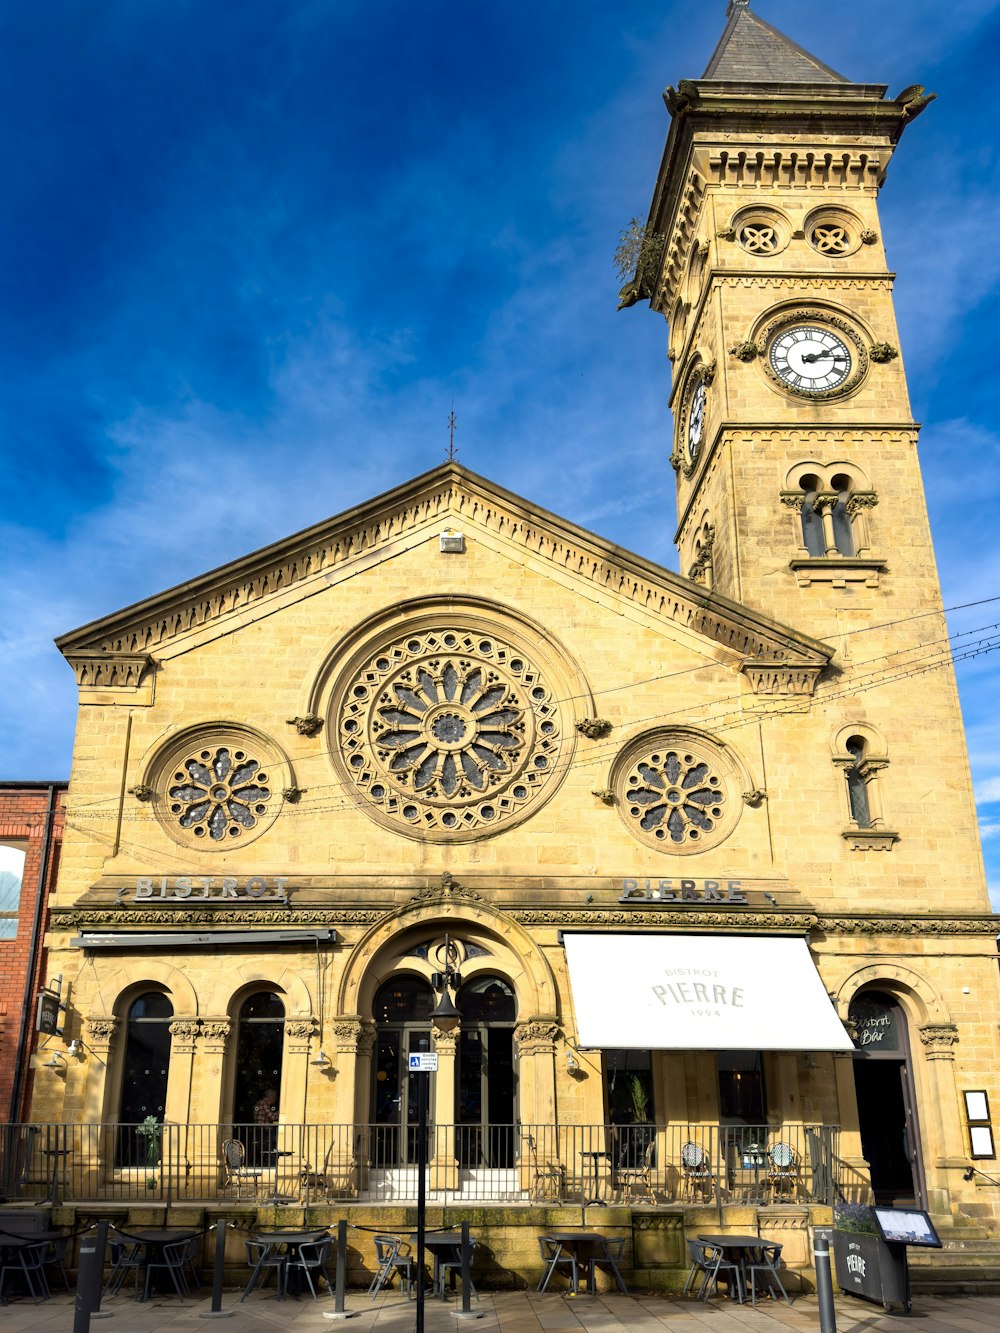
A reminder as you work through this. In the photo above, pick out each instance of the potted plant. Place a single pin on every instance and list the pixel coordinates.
(866, 1265)
(152, 1131)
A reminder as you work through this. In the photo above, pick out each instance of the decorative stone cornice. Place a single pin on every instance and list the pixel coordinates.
(102, 1028)
(782, 678)
(404, 515)
(109, 670)
(125, 916)
(804, 922)
(742, 167)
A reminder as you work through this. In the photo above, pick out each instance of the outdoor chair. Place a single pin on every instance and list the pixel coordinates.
(697, 1172)
(310, 1179)
(127, 1257)
(27, 1261)
(448, 1269)
(546, 1179)
(263, 1259)
(614, 1249)
(701, 1266)
(767, 1263)
(55, 1256)
(783, 1172)
(390, 1262)
(719, 1266)
(311, 1259)
(634, 1182)
(234, 1163)
(555, 1256)
(170, 1259)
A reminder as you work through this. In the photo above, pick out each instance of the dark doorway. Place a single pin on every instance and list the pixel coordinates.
(402, 1011)
(144, 1081)
(886, 1111)
(260, 1040)
(485, 1089)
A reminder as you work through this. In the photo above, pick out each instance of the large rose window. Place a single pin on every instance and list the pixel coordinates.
(448, 731)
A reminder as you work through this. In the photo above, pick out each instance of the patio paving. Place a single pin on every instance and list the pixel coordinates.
(508, 1312)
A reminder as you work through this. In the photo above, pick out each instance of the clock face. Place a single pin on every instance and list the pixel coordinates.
(810, 359)
(696, 420)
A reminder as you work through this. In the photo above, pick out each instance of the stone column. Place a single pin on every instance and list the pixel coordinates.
(535, 1043)
(350, 1148)
(852, 1166)
(103, 1044)
(210, 1096)
(179, 1145)
(441, 1150)
(941, 1130)
(292, 1103)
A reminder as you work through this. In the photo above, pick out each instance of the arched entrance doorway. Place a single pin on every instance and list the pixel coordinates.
(260, 1042)
(890, 1139)
(402, 1013)
(486, 1083)
(145, 1069)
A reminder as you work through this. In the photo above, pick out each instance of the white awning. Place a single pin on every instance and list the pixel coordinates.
(700, 992)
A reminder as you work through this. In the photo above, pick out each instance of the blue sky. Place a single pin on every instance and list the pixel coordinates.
(252, 251)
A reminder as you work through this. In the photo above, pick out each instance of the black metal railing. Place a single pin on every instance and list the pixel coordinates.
(638, 1164)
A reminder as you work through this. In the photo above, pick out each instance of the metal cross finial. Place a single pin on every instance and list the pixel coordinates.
(452, 423)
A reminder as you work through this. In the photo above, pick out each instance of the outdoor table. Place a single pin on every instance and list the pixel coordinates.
(153, 1240)
(595, 1167)
(59, 1156)
(445, 1246)
(570, 1242)
(291, 1238)
(276, 1198)
(740, 1249)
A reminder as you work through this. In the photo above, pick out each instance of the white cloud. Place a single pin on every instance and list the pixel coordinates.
(988, 792)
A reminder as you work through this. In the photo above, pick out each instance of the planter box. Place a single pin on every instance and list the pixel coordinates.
(869, 1268)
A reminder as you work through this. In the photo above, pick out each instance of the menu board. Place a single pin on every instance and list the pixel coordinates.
(906, 1226)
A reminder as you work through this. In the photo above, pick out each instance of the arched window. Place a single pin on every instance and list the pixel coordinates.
(486, 1082)
(857, 786)
(813, 536)
(402, 1013)
(145, 1068)
(260, 1043)
(840, 514)
(860, 754)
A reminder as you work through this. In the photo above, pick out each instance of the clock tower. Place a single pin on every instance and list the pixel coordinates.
(798, 487)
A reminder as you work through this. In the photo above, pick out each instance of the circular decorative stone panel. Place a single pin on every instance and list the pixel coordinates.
(219, 793)
(678, 793)
(448, 732)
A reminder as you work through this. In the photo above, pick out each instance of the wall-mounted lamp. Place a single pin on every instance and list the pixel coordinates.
(55, 1061)
(320, 1060)
(572, 1063)
(75, 1049)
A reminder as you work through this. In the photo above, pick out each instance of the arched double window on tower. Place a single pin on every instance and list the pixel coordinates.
(859, 752)
(145, 1069)
(830, 504)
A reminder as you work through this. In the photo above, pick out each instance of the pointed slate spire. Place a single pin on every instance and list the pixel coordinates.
(751, 51)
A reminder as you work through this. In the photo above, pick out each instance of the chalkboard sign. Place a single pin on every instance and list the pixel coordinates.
(906, 1226)
(47, 1018)
(876, 1022)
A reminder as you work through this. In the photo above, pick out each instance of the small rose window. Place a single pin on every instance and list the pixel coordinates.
(831, 239)
(219, 793)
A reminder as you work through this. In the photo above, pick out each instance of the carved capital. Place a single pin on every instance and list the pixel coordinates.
(594, 728)
(310, 725)
(215, 1029)
(938, 1040)
(350, 1035)
(793, 500)
(883, 352)
(141, 791)
(185, 1031)
(102, 1029)
(745, 351)
(858, 500)
(300, 1029)
(446, 1039)
(536, 1033)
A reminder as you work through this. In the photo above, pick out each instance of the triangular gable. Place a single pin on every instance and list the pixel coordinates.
(118, 651)
(751, 51)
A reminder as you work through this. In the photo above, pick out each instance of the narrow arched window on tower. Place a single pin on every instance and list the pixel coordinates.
(843, 528)
(857, 787)
(813, 536)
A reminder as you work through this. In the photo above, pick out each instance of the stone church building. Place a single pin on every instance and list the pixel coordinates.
(677, 875)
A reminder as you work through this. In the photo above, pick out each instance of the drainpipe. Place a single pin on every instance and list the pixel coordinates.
(35, 948)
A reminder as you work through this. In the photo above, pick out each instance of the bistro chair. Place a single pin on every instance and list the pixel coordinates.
(311, 1259)
(555, 1256)
(171, 1259)
(700, 1268)
(783, 1172)
(310, 1179)
(719, 1266)
(55, 1257)
(613, 1250)
(28, 1262)
(634, 1182)
(127, 1257)
(390, 1262)
(697, 1172)
(547, 1179)
(263, 1258)
(449, 1268)
(234, 1162)
(766, 1262)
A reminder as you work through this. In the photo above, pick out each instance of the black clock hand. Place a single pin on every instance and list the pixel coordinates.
(811, 357)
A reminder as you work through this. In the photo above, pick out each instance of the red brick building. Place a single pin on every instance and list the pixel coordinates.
(31, 832)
